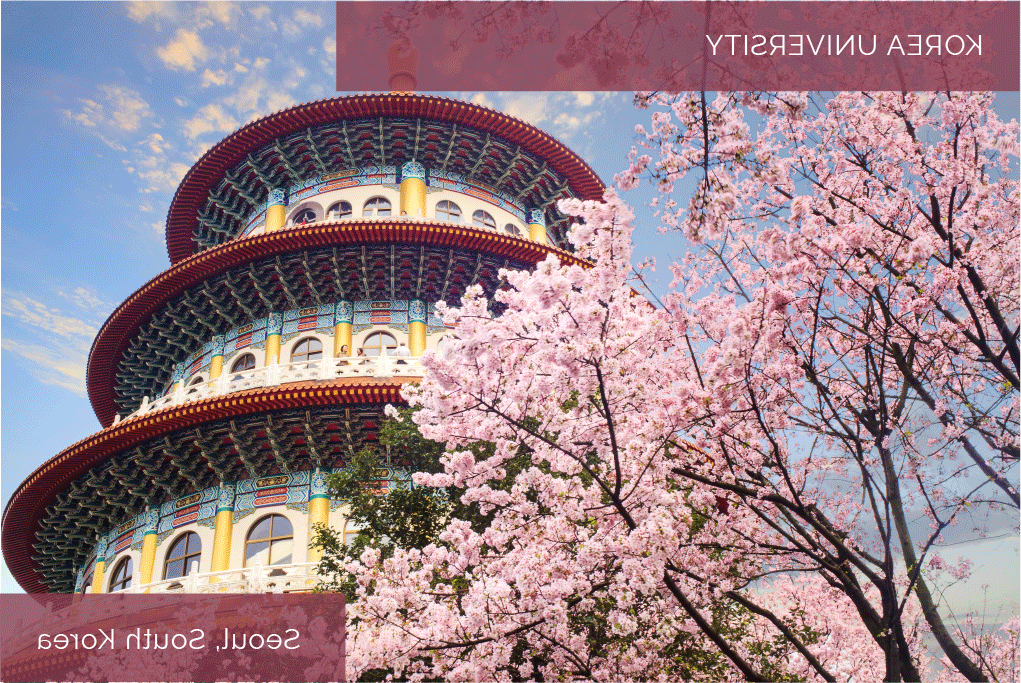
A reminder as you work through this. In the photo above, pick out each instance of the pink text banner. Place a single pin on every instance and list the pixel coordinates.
(453, 46)
(180, 637)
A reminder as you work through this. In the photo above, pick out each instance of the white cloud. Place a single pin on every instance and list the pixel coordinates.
(210, 77)
(90, 116)
(533, 108)
(123, 110)
(300, 23)
(482, 100)
(127, 107)
(210, 118)
(113, 144)
(54, 343)
(306, 18)
(295, 74)
(222, 12)
(143, 10)
(257, 97)
(260, 12)
(58, 367)
(156, 143)
(192, 15)
(58, 343)
(569, 122)
(156, 173)
(330, 45)
(184, 52)
(86, 299)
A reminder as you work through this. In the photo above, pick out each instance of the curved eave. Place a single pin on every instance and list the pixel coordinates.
(29, 502)
(121, 327)
(210, 169)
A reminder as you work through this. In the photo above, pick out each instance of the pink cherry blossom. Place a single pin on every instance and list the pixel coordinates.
(731, 485)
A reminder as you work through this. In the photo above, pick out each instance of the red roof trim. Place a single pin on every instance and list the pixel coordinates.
(207, 171)
(38, 491)
(123, 324)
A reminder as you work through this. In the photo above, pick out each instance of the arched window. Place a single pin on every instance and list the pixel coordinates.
(481, 219)
(271, 541)
(448, 211)
(307, 349)
(87, 583)
(305, 216)
(185, 551)
(121, 576)
(341, 209)
(245, 362)
(377, 206)
(378, 342)
(512, 229)
(351, 531)
(194, 382)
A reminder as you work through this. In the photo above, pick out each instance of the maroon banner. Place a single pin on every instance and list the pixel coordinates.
(541, 45)
(121, 637)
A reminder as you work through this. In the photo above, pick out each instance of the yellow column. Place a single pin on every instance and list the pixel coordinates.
(223, 529)
(148, 559)
(222, 532)
(274, 326)
(318, 510)
(418, 311)
(97, 577)
(97, 572)
(272, 348)
(413, 190)
(416, 338)
(216, 364)
(216, 367)
(343, 316)
(342, 335)
(537, 226)
(276, 212)
(318, 513)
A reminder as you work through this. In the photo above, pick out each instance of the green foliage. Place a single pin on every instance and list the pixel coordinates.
(404, 516)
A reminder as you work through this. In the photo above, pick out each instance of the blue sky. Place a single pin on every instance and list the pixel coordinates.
(104, 108)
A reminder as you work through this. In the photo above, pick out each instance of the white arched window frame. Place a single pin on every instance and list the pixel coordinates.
(483, 219)
(270, 541)
(377, 207)
(121, 578)
(447, 210)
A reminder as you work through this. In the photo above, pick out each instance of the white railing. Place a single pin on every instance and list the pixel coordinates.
(284, 373)
(282, 578)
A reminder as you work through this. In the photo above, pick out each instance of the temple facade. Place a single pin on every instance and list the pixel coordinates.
(308, 251)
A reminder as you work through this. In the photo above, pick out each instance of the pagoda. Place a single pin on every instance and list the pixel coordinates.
(308, 251)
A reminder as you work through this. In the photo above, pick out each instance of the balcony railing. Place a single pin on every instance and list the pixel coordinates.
(282, 578)
(284, 373)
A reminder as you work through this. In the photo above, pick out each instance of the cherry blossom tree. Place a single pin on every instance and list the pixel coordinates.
(760, 467)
